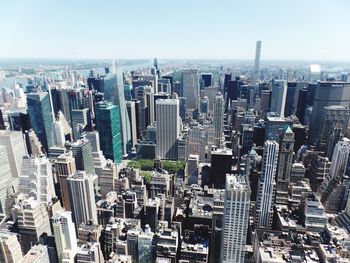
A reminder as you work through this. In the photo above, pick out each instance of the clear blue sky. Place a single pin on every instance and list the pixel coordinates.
(289, 29)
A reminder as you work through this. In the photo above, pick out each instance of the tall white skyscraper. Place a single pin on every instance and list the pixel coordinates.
(236, 219)
(5, 181)
(340, 158)
(218, 119)
(278, 96)
(82, 197)
(168, 128)
(257, 61)
(65, 236)
(190, 86)
(267, 186)
(36, 179)
(15, 148)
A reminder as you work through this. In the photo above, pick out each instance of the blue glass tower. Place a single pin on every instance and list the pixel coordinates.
(40, 115)
(108, 125)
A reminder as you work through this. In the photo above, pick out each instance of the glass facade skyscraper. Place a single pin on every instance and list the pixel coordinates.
(108, 125)
(40, 115)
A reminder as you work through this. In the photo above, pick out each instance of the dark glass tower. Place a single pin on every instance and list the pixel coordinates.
(108, 125)
(40, 115)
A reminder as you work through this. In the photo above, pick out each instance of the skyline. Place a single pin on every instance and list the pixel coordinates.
(84, 30)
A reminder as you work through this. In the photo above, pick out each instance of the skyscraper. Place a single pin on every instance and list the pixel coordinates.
(327, 94)
(82, 197)
(168, 128)
(108, 124)
(235, 219)
(33, 221)
(65, 166)
(40, 114)
(218, 120)
(115, 85)
(5, 179)
(65, 236)
(285, 161)
(190, 85)
(14, 144)
(36, 179)
(82, 152)
(257, 60)
(267, 184)
(278, 96)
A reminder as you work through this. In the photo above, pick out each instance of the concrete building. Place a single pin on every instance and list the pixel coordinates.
(168, 128)
(236, 219)
(82, 197)
(10, 249)
(267, 186)
(190, 85)
(278, 96)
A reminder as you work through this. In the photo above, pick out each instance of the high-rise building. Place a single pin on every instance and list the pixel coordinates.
(235, 219)
(65, 236)
(37, 254)
(14, 144)
(80, 121)
(278, 96)
(168, 128)
(82, 197)
(108, 124)
(41, 118)
(115, 83)
(10, 249)
(191, 88)
(267, 186)
(58, 136)
(285, 161)
(131, 107)
(109, 174)
(326, 94)
(146, 249)
(257, 60)
(82, 152)
(90, 252)
(207, 79)
(65, 166)
(5, 181)
(36, 179)
(218, 120)
(33, 221)
(334, 126)
(34, 147)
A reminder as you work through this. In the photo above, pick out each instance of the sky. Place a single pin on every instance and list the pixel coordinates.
(175, 29)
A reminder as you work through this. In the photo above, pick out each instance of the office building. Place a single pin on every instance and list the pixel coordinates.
(82, 152)
(221, 164)
(207, 79)
(5, 182)
(65, 166)
(326, 94)
(10, 249)
(36, 179)
(190, 85)
(131, 108)
(218, 120)
(168, 128)
(267, 186)
(108, 124)
(33, 221)
(82, 197)
(235, 219)
(37, 254)
(65, 236)
(285, 160)
(81, 120)
(90, 252)
(14, 144)
(41, 117)
(278, 96)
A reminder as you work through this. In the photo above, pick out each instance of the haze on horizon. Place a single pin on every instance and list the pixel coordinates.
(223, 29)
